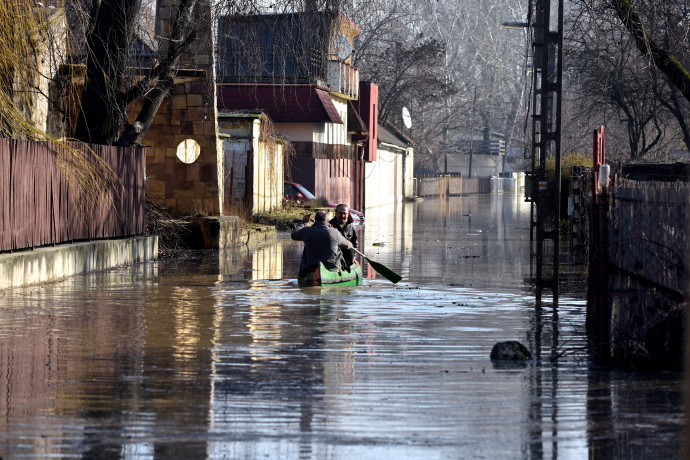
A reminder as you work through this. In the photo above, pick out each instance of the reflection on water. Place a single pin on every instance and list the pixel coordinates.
(212, 356)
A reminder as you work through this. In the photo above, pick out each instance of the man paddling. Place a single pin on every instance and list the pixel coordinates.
(344, 223)
(322, 243)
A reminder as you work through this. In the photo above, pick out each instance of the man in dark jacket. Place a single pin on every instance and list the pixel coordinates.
(322, 243)
(344, 223)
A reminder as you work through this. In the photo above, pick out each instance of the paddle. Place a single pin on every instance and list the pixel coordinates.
(381, 269)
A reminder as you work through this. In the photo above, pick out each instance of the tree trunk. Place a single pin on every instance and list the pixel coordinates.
(180, 39)
(103, 105)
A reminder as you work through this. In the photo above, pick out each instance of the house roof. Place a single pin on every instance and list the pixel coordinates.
(283, 103)
(390, 135)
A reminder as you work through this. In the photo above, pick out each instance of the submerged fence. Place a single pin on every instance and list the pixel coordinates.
(41, 204)
(645, 251)
(453, 185)
(648, 233)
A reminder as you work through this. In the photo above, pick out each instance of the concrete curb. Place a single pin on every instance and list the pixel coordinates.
(226, 233)
(57, 262)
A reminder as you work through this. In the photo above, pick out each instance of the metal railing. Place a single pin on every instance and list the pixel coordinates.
(343, 79)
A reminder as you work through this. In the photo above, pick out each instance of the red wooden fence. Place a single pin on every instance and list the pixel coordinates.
(40, 205)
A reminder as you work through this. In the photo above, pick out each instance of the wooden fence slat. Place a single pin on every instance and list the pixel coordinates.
(648, 231)
(5, 208)
(39, 205)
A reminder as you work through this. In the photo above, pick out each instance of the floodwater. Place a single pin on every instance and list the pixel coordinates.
(210, 356)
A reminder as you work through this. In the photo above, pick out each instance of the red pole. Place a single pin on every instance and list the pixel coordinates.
(598, 158)
(598, 315)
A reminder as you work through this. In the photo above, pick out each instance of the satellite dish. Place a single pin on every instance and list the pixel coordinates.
(407, 119)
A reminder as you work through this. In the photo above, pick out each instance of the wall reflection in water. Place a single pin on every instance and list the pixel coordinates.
(263, 263)
(387, 238)
(476, 240)
(269, 375)
(267, 262)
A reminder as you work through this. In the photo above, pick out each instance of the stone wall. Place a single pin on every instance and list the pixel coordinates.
(184, 189)
(189, 112)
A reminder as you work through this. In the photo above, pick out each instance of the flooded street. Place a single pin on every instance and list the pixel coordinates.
(226, 357)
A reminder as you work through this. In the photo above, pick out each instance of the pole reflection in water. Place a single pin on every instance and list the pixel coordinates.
(543, 411)
(224, 356)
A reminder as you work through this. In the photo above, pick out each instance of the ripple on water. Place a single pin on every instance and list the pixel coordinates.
(192, 359)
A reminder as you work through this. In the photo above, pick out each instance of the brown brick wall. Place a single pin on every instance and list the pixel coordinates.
(184, 189)
(189, 112)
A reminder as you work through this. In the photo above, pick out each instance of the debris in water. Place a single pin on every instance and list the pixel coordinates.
(511, 350)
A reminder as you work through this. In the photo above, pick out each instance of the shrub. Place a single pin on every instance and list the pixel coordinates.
(567, 162)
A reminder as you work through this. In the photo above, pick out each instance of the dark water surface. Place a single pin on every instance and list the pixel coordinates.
(225, 357)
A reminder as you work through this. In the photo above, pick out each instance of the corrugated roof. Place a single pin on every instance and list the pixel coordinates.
(389, 135)
(282, 103)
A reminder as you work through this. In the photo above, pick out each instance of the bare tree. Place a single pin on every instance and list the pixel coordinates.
(622, 87)
(475, 64)
(488, 60)
(110, 86)
(672, 17)
(407, 64)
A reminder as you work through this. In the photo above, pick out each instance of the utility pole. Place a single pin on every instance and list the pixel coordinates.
(546, 140)
(474, 109)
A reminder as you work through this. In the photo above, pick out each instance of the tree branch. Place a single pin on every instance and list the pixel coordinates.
(662, 59)
(162, 68)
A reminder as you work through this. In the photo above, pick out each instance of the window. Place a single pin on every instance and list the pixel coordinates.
(188, 151)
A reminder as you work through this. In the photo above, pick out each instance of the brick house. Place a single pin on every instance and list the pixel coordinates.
(207, 150)
(296, 68)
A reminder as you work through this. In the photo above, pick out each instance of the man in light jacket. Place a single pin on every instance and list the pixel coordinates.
(344, 223)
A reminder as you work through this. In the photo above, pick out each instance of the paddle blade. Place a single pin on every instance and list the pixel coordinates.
(384, 271)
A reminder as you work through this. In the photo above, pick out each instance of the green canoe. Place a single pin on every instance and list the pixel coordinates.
(325, 277)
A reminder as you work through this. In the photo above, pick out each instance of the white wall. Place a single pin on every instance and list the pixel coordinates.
(323, 133)
(383, 179)
(408, 171)
(266, 167)
(332, 133)
(482, 165)
(336, 134)
(298, 132)
(268, 178)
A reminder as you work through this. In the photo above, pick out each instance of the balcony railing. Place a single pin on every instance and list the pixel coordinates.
(343, 79)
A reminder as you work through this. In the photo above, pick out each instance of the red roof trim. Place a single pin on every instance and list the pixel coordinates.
(329, 106)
